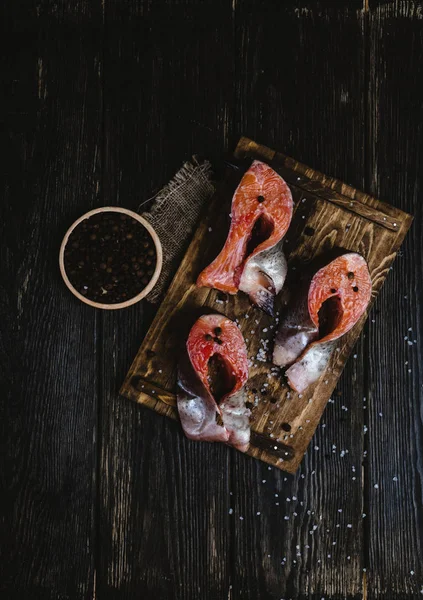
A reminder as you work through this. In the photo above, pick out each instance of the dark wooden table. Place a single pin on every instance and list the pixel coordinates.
(101, 499)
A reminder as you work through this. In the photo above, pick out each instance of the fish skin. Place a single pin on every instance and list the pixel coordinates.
(236, 420)
(310, 366)
(226, 272)
(263, 277)
(197, 408)
(295, 333)
(201, 416)
(348, 279)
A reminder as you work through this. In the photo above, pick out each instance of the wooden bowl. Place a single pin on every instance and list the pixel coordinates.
(148, 287)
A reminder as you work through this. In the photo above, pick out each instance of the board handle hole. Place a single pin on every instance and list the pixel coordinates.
(286, 426)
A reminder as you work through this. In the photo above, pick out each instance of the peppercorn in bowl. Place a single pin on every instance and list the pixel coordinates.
(110, 258)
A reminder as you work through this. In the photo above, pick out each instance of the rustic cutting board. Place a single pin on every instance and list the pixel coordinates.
(328, 215)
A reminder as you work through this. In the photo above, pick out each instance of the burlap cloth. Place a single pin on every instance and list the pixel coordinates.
(174, 215)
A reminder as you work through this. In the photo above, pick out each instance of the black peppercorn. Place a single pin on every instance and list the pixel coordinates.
(104, 257)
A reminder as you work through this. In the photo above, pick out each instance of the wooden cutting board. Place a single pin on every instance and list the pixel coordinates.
(328, 215)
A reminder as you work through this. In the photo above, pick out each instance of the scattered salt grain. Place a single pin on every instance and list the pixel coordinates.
(231, 510)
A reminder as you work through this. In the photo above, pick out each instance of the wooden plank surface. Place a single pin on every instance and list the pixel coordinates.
(164, 520)
(394, 468)
(51, 168)
(322, 94)
(336, 85)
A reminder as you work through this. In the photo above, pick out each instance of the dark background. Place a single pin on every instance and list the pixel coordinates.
(103, 499)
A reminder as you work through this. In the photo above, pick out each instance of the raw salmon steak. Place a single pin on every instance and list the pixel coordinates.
(211, 377)
(252, 259)
(338, 295)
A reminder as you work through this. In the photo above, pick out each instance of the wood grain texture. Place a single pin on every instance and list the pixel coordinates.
(51, 168)
(164, 502)
(295, 104)
(334, 84)
(394, 468)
